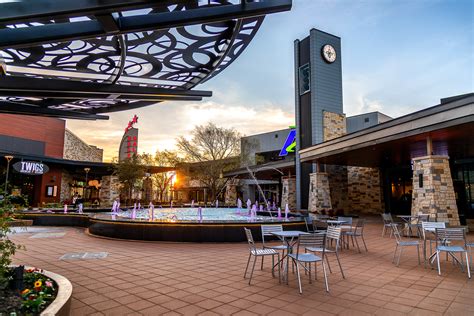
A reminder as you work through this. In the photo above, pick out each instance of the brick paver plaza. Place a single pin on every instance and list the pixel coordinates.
(154, 278)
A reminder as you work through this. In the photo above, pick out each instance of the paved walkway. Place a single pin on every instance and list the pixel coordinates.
(155, 278)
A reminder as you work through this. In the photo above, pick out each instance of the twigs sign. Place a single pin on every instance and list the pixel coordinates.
(30, 167)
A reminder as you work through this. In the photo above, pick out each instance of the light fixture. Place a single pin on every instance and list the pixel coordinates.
(86, 184)
(8, 158)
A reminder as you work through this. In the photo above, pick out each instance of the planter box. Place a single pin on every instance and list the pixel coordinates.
(61, 305)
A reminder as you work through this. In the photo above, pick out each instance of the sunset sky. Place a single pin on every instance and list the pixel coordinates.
(397, 57)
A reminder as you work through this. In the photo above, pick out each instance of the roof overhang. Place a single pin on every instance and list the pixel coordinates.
(449, 125)
(97, 168)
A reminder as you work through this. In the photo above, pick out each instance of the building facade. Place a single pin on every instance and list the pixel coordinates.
(369, 163)
(73, 166)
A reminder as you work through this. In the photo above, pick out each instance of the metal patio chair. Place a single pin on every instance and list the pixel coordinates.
(357, 231)
(387, 223)
(260, 252)
(469, 246)
(333, 234)
(345, 228)
(347, 225)
(319, 222)
(300, 258)
(444, 243)
(308, 221)
(401, 243)
(267, 231)
(428, 230)
(422, 218)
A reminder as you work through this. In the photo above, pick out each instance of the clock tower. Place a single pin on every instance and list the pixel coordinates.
(318, 89)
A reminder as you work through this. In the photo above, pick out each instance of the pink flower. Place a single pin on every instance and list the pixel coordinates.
(49, 284)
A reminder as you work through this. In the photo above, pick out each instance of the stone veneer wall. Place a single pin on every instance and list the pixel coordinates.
(351, 189)
(109, 190)
(76, 149)
(436, 197)
(364, 190)
(319, 194)
(66, 180)
(334, 125)
(338, 177)
(288, 192)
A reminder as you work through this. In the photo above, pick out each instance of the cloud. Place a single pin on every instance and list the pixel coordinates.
(159, 125)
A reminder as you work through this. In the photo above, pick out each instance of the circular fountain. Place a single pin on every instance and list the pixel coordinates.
(186, 224)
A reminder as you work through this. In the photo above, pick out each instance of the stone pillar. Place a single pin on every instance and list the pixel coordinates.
(433, 191)
(319, 194)
(230, 194)
(66, 182)
(334, 194)
(109, 190)
(288, 194)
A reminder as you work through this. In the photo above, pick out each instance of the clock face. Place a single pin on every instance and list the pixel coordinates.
(329, 53)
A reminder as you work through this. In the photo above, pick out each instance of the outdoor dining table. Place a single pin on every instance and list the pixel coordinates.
(407, 220)
(290, 238)
(335, 222)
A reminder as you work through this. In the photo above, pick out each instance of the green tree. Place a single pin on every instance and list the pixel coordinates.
(7, 248)
(213, 150)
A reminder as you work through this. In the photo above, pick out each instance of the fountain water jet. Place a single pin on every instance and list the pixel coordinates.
(259, 189)
(199, 214)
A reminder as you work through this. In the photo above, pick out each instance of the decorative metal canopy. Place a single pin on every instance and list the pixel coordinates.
(80, 58)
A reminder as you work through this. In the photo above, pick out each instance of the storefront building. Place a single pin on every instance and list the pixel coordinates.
(70, 165)
(422, 162)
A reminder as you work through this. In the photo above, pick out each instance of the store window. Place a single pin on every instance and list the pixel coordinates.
(304, 78)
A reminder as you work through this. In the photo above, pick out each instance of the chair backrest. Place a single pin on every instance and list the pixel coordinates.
(334, 233)
(450, 234)
(359, 226)
(431, 226)
(250, 241)
(267, 230)
(317, 240)
(387, 218)
(396, 232)
(309, 223)
(347, 219)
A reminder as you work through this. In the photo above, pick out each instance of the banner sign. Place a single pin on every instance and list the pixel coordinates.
(290, 144)
(30, 167)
